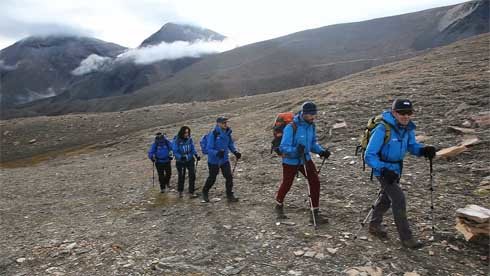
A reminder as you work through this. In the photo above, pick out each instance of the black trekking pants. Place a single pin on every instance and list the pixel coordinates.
(164, 173)
(181, 169)
(393, 196)
(213, 172)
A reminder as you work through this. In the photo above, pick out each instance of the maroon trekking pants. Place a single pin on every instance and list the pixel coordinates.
(288, 174)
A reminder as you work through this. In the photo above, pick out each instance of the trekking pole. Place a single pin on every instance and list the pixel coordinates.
(234, 167)
(153, 178)
(431, 197)
(309, 193)
(370, 213)
(321, 166)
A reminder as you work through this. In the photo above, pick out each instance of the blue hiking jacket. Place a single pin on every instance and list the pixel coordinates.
(161, 149)
(221, 141)
(305, 135)
(183, 147)
(402, 139)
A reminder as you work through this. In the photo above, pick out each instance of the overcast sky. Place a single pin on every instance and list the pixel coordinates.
(129, 22)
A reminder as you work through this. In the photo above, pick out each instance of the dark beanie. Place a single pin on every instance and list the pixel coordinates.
(309, 108)
(402, 104)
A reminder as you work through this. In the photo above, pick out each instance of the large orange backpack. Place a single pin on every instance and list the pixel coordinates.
(281, 121)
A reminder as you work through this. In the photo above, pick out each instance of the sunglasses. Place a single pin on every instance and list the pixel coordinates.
(405, 112)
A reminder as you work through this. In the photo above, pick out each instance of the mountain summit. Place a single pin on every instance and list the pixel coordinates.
(172, 32)
(39, 66)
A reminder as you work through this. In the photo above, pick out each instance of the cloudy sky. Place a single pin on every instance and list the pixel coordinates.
(129, 22)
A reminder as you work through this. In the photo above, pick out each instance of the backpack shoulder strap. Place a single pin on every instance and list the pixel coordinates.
(388, 126)
(294, 126)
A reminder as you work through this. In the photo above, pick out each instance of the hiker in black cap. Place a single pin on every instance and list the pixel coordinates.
(297, 144)
(385, 156)
(219, 142)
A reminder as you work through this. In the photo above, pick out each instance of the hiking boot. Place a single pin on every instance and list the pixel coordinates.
(377, 230)
(193, 195)
(205, 198)
(279, 209)
(181, 194)
(232, 198)
(412, 243)
(162, 190)
(319, 219)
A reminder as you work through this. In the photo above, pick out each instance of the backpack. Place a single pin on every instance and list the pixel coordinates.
(203, 142)
(162, 141)
(281, 121)
(364, 141)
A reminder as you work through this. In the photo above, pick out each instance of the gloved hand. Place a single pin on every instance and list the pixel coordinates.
(325, 154)
(237, 154)
(152, 159)
(221, 154)
(429, 152)
(301, 150)
(183, 158)
(389, 176)
(170, 157)
(198, 158)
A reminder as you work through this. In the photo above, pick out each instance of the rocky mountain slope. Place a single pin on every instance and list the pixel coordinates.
(93, 210)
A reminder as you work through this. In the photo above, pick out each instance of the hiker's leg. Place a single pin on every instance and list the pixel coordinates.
(213, 172)
(288, 173)
(314, 183)
(168, 173)
(382, 206)
(226, 171)
(398, 206)
(180, 170)
(192, 175)
(161, 175)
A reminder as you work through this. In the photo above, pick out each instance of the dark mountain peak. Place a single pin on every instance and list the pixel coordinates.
(172, 32)
(37, 67)
(63, 41)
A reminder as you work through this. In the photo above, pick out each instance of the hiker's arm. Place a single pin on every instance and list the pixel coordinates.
(176, 150)
(315, 147)
(210, 146)
(374, 147)
(151, 151)
(287, 146)
(231, 144)
(193, 148)
(413, 146)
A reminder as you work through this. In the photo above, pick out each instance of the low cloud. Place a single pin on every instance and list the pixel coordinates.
(10, 27)
(93, 63)
(154, 53)
(5, 67)
(175, 50)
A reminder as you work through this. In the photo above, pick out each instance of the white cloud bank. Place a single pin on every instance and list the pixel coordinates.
(154, 53)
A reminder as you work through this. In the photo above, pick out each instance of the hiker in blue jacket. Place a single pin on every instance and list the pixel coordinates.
(160, 153)
(386, 159)
(185, 156)
(298, 140)
(219, 144)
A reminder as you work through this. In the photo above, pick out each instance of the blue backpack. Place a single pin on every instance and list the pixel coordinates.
(204, 141)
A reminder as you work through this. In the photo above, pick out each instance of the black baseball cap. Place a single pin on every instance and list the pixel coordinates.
(221, 120)
(402, 105)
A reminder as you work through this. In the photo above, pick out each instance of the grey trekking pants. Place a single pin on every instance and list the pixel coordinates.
(393, 196)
